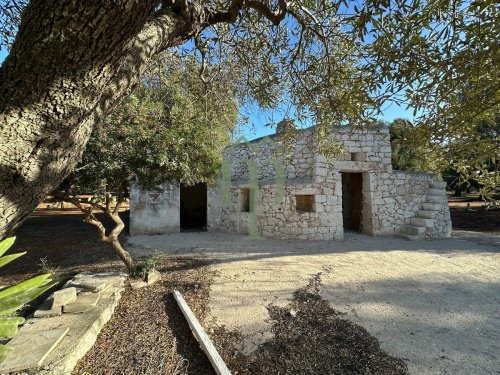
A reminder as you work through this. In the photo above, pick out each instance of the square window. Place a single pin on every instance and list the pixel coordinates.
(304, 203)
(245, 200)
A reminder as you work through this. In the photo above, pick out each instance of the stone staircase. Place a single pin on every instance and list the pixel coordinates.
(421, 224)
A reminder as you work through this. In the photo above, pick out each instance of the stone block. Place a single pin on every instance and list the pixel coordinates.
(327, 191)
(427, 214)
(64, 296)
(320, 199)
(30, 349)
(153, 277)
(437, 199)
(89, 282)
(138, 284)
(306, 191)
(433, 191)
(48, 309)
(439, 184)
(321, 172)
(84, 302)
(331, 200)
(413, 230)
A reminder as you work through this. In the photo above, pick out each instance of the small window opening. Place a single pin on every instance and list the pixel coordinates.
(304, 203)
(245, 200)
(358, 156)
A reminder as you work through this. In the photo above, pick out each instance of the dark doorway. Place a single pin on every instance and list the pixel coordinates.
(352, 200)
(193, 207)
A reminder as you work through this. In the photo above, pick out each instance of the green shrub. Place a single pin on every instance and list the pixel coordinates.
(147, 264)
(13, 297)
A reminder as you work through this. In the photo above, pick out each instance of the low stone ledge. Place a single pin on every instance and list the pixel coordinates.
(83, 328)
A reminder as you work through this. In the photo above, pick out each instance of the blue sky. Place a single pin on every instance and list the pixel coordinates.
(259, 118)
(3, 54)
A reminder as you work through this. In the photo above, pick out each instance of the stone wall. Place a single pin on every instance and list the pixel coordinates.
(441, 224)
(277, 215)
(390, 198)
(263, 154)
(154, 212)
(214, 206)
(396, 198)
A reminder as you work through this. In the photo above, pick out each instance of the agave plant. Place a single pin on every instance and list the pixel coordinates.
(13, 297)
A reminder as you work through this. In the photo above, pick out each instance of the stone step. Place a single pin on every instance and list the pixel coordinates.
(432, 206)
(48, 309)
(437, 199)
(414, 230)
(64, 296)
(427, 214)
(439, 185)
(84, 302)
(423, 222)
(436, 192)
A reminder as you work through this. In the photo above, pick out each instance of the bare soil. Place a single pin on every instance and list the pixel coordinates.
(475, 217)
(68, 245)
(149, 335)
(312, 338)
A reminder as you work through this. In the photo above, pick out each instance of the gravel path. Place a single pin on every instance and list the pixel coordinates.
(435, 304)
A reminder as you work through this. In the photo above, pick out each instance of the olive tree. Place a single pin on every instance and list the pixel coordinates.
(326, 62)
(172, 127)
(472, 158)
(409, 150)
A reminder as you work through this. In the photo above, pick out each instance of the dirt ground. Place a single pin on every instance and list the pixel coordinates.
(433, 303)
(149, 335)
(64, 241)
(475, 217)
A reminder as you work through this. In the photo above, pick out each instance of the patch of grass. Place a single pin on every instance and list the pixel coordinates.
(147, 264)
(46, 266)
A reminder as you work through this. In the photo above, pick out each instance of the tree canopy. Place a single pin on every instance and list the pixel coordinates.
(409, 153)
(171, 127)
(325, 62)
(472, 158)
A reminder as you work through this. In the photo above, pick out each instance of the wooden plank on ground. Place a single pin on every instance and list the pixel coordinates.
(200, 334)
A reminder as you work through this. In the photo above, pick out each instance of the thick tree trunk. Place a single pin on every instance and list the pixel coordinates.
(113, 240)
(70, 64)
(113, 237)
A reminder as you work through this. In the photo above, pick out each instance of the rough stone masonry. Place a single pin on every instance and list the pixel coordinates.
(304, 195)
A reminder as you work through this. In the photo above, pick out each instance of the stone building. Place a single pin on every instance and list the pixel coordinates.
(304, 197)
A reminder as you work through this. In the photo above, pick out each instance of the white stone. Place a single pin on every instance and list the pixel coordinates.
(64, 296)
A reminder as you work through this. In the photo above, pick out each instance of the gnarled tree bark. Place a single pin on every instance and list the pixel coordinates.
(70, 64)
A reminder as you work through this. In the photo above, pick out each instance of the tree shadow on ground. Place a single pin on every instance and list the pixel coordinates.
(65, 242)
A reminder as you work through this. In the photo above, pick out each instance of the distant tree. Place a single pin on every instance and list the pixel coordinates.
(473, 159)
(409, 152)
(467, 159)
(172, 127)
